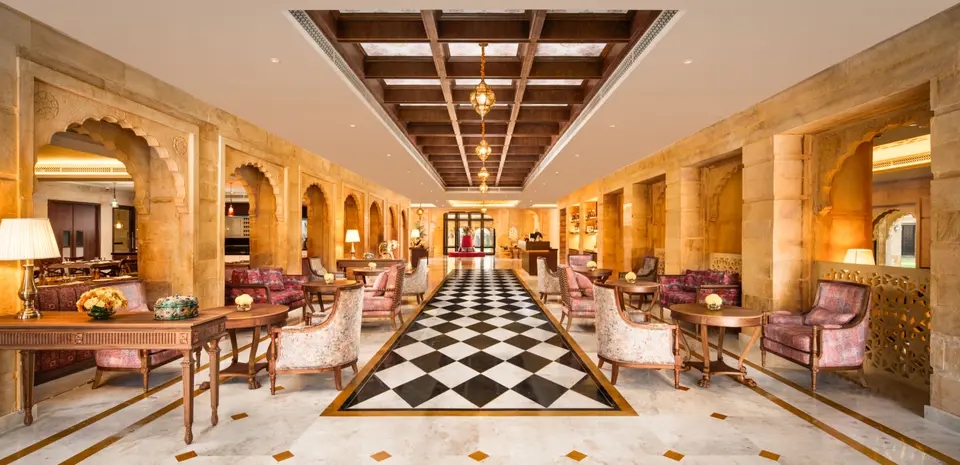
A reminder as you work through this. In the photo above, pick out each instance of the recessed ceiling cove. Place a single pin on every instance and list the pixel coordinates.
(420, 67)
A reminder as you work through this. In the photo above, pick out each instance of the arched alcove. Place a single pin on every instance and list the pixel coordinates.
(352, 219)
(319, 229)
(725, 221)
(404, 234)
(262, 213)
(375, 234)
(848, 222)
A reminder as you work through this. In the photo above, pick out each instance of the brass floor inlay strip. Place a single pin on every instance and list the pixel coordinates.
(104, 414)
(90, 451)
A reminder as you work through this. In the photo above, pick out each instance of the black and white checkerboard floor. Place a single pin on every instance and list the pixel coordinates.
(481, 343)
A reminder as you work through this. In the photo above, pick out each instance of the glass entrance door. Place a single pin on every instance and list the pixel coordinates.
(477, 226)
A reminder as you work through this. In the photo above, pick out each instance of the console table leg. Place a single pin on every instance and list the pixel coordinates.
(187, 367)
(252, 364)
(26, 378)
(705, 377)
(213, 351)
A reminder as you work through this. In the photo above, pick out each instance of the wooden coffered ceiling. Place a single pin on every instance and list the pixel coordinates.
(543, 65)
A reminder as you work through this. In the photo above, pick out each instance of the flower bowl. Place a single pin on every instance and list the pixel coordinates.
(244, 302)
(592, 265)
(713, 302)
(372, 265)
(328, 278)
(630, 277)
(101, 303)
(101, 313)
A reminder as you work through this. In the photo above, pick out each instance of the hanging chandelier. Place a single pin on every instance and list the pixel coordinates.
(483, 174)
(229, 201)
(482, 98)
(483, 187)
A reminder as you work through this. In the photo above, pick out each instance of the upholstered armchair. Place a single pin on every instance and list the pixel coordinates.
(313, 269)
(415, 283)
(830, 336)
(548, 282)
(636, 345)
(328, 346)
(384, 298)
(141, 361)
(694, 285)
(267, 286)
(576, 295)
(581, 259)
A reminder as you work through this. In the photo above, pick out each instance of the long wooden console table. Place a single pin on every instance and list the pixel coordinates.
(126, 330)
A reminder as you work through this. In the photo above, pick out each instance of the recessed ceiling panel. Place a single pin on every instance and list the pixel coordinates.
(412, 49)
(470, 49)
(539, 90)
(570, 50)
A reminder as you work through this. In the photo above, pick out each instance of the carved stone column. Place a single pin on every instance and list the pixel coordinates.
(945, 256)
(772, 223)
(684, 241)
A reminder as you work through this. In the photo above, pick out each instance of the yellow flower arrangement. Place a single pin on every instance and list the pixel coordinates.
(102, 302)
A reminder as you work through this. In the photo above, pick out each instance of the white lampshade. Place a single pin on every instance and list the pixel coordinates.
(27, 239)
(859, 257)
(353, 235)
(415, 233)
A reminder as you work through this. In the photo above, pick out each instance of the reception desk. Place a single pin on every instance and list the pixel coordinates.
(530, 251)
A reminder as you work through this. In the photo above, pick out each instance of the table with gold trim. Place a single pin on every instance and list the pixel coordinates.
(125, 330)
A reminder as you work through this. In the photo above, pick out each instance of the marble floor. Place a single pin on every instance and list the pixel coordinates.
(779, 420)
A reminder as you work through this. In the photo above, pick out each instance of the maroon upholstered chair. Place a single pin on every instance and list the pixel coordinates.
(830, 336)
(52, 364)
(267, 286)
(384, 298)
(140, 361)
(581, 259)
(694, 285)
(576, 295)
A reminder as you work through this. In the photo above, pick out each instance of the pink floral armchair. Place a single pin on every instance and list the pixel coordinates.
(267, 286)
(548, 282)
(328, 346)
(694, 285)
(141, 361)
(415, 283)
(623, 342)
(576, 295)
(830, 336)
(384, 298)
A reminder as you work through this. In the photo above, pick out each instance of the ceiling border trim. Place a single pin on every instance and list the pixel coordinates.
(663, 22)
(313, 33)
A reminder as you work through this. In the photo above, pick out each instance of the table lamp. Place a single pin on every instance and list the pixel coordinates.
(415, 235)
(27, 239)
(353, 236)
(859, 257)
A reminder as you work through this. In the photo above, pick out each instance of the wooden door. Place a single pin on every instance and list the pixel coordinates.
(77, 228)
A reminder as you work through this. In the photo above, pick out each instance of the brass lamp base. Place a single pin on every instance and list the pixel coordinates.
(353, 252)
(27, 294)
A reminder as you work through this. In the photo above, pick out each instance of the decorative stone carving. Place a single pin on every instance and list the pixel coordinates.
(899, 337)
(46, 105)
(179, 145)
(729, 262)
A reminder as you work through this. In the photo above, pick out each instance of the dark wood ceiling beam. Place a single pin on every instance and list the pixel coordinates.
(418, 94)
(544, 94)
(529, 140)
(429, 19)
(541, 68)
(473, 129)
(409, 29)
(537, 19)
(533, 94)
(498, 129)
(405, 28)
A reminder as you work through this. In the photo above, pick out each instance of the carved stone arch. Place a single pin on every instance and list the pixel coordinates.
(271, 179)
(880, 217)
(713, 199)
(180, 198)
(141, 202)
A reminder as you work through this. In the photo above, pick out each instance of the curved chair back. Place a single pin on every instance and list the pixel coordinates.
(344, 323)
(648, 269)
(581, 259)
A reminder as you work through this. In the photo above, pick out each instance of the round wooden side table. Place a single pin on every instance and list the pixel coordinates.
(597, 275)
(365, 273)
(641, 288)
(320, 289)
(259, 315)
(726, 317)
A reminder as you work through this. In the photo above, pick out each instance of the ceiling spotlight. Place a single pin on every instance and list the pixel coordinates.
(687, 61)
(576, 155)
(388, 154)
(613, 125)
(274, 60)
(557, 172)
(353, 125)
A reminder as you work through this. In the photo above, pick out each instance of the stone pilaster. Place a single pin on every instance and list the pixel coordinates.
(945, 257)
(641, 211)
(772, 223)
(685, 241)
(208, 271)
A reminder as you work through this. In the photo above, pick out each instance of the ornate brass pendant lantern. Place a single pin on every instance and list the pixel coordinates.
(482, 98)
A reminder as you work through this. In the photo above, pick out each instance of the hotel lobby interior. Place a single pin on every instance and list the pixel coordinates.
(649, 232)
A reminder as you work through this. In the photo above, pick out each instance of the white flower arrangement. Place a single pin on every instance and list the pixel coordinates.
(713, 301)
(328, 278)
(630, 277)
(243, 300)
(102, 297)
(592, 265)
(372, 265)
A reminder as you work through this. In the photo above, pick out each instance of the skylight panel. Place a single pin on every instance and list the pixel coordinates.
(570, 50)
(412, 82)
(469, 49)
(413, 49)
(554, 82)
